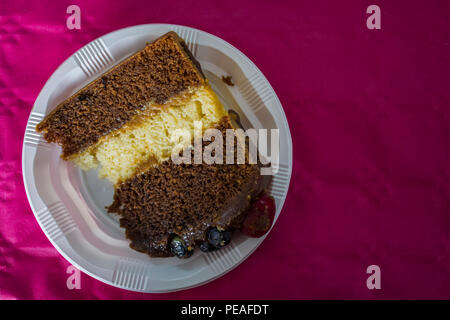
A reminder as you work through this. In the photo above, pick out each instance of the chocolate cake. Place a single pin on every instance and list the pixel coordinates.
(123, 123)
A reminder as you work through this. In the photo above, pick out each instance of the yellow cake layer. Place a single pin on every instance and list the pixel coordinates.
(148, 138)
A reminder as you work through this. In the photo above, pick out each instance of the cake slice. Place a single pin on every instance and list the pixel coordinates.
(127, 116)
(123, 123)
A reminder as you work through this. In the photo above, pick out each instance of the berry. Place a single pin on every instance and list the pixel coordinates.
(179, 248)
(266, 204)
(218, 238)
(260, 216)
(226, 235)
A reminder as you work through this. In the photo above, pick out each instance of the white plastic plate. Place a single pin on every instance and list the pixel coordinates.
(69, 204)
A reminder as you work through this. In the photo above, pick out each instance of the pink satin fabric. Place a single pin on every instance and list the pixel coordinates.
(370, 121)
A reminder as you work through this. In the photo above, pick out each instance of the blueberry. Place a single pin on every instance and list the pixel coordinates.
(214, 237)
(179, 248)
(226, 235)
(219, 238)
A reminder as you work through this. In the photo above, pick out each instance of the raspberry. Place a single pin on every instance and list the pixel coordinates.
(266, 204)
(260, 216)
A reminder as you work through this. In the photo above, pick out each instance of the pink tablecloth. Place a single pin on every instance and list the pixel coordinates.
(369, 116)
